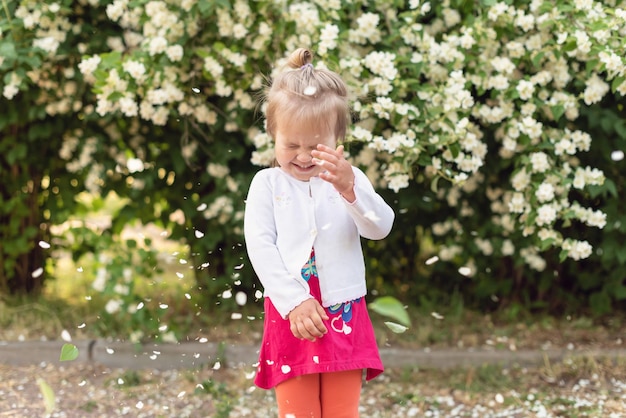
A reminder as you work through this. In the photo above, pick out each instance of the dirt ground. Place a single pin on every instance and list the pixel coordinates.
(578, 387)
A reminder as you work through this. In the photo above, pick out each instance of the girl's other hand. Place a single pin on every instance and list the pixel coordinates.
(307, 320)
(338, 169)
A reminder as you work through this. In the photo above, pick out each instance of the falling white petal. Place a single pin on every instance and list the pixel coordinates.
(465, 271)
(241, 298)
(65, 336)
(436, 315)
(617, 155)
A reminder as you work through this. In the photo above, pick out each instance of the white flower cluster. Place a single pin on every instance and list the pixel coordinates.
(52, 27)
(367, 29)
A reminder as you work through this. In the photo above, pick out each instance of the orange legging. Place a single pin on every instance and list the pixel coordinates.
(320, 395)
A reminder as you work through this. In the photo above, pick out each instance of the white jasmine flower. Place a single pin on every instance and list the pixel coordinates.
(128, 106)
(507, 248)
(577, 250)
(239, 31)
(100, 282)
(115, 10)
(174, 53)
(89, 65)
(497, 10)
(157, 45)
(213, 67)
(134, 165)
(113, 306)
(218, 170)
(367, 29)
(135, 68)
(381, 63)
(546, 215)
(539, 162)
(159, 117)
(525, 89)
(545, 192)
(328, 38)
(596, 89)
(10, 91)
(517, 203)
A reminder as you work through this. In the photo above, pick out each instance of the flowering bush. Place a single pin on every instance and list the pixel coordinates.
(473, 115)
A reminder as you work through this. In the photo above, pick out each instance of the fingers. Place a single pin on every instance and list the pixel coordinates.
(326, 154)
(338, 171)
(307, 320)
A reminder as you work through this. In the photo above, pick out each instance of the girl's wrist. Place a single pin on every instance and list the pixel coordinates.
(349, 189)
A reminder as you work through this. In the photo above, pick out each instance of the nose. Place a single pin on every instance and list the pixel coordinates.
(304, 156)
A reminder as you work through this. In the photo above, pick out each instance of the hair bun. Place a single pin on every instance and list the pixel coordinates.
(300, 58)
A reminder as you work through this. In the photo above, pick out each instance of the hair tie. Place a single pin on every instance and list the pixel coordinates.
(308, 64)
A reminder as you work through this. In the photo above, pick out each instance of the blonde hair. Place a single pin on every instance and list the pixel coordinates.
(305, 96)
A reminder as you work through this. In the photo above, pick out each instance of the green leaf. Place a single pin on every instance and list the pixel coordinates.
(392, 308)
(557, 112)
(570, 45)
(18, 152)
(48, 395)
(397, 328)
(111, 59)
(546, 243)
(69, 352)
(600, 303)
(455, 149)
(7, 50)
(617, 81)
(620, 128)
(619, 292)
(536, 59)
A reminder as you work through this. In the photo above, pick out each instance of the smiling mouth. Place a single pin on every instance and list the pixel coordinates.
(304, 168)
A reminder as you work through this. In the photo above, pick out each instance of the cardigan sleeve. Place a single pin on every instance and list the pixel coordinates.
(285, 290)
(371, 214)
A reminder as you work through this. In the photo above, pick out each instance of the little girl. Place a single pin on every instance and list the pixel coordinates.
(303, 223)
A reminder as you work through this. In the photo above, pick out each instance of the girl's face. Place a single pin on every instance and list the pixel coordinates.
(293, 146)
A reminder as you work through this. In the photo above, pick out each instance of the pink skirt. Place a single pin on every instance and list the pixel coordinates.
(349, 344)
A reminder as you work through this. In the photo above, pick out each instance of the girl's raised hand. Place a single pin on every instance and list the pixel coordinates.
(338, 170)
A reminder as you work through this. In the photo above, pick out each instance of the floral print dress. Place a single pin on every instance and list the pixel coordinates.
(349, 344)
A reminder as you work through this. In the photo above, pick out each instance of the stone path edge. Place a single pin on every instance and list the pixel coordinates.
(189, 355)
